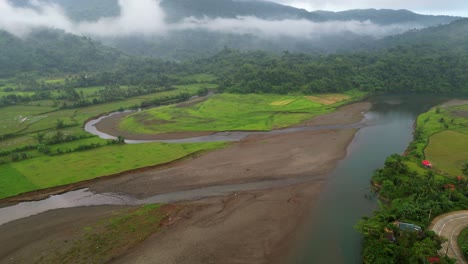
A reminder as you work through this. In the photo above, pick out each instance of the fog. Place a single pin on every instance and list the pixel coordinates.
(146, 17)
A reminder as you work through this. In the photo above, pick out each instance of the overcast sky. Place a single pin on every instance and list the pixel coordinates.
(437, 7)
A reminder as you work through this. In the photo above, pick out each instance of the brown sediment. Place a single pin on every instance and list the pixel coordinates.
(247, 227)
(455, 102)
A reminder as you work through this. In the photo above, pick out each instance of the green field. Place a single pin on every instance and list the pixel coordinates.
(448, 151)
(443, 138)
(224, 112)
(30, 119)
(48, 171)
(21, 125)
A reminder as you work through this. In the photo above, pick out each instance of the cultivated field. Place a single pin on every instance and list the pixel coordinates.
(446, 129)
(48, 171)
(229, 112)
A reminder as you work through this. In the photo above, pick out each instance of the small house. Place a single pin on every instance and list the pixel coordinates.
(433, 259)
(409, 227)
(427, 164)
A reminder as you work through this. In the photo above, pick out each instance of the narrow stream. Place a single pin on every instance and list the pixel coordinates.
(331, 236)
(219, 136)
(85, 197)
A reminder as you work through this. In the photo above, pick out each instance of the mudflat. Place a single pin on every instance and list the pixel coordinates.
(245, 227)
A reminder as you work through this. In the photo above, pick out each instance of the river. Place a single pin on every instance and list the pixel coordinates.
(331, 237)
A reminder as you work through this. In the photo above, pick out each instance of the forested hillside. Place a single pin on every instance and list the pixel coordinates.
(194, 42)
(430, 60)
(50, 51)
(451, 37)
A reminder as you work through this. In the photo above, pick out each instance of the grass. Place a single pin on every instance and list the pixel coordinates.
(103, 241)
(224, 112)
(44, 117)
(443, 138)
(463, 242)
(448, 151)
(16, 118)
(49, 171)
(25, 121)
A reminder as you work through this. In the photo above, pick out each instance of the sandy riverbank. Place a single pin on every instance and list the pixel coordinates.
(249, 227)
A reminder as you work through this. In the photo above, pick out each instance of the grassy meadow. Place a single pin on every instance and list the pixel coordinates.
(225, 112)
(442, 137)
(49, 171)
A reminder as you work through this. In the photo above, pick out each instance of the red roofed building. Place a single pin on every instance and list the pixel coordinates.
(427, 164)
(433, 260)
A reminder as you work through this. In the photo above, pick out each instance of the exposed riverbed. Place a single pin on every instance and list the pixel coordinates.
(278, 175)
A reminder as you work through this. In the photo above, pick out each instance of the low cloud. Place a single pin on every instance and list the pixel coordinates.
(146, 17)
(297, 28)
(21, 21)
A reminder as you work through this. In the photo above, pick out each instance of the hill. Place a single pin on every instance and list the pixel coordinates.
(49, 51)
(195, 42)
(449, 37)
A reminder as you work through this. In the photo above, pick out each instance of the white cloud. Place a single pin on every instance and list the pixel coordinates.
(291, 28)
(137, 17)
(146, 17)
(20, 21)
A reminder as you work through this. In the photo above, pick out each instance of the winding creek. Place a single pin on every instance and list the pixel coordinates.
(229, 136)
(386, 129)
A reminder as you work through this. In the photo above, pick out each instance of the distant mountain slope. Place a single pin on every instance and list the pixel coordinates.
(179, 9)
(53, 51)
(196, 42)
(453, 36)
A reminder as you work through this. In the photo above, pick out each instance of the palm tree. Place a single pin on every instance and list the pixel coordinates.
(465, 169)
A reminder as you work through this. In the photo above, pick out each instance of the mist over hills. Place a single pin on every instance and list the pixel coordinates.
(185, 29)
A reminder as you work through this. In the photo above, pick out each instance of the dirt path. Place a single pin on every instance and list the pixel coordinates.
(449, 226)
(247, 227)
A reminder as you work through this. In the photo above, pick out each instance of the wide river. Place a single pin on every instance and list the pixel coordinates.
(330, 238)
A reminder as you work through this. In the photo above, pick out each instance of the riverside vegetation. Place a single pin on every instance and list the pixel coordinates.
(410, 193)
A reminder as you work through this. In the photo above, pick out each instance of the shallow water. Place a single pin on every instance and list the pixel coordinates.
(229, 136)
(85, 197)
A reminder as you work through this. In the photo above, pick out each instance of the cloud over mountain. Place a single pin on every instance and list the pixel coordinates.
(146, 17)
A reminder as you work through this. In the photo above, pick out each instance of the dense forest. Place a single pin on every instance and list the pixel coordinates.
(53, 52)
(419, 62)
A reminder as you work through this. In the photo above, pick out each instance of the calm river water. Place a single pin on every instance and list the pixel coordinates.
(331, 237)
